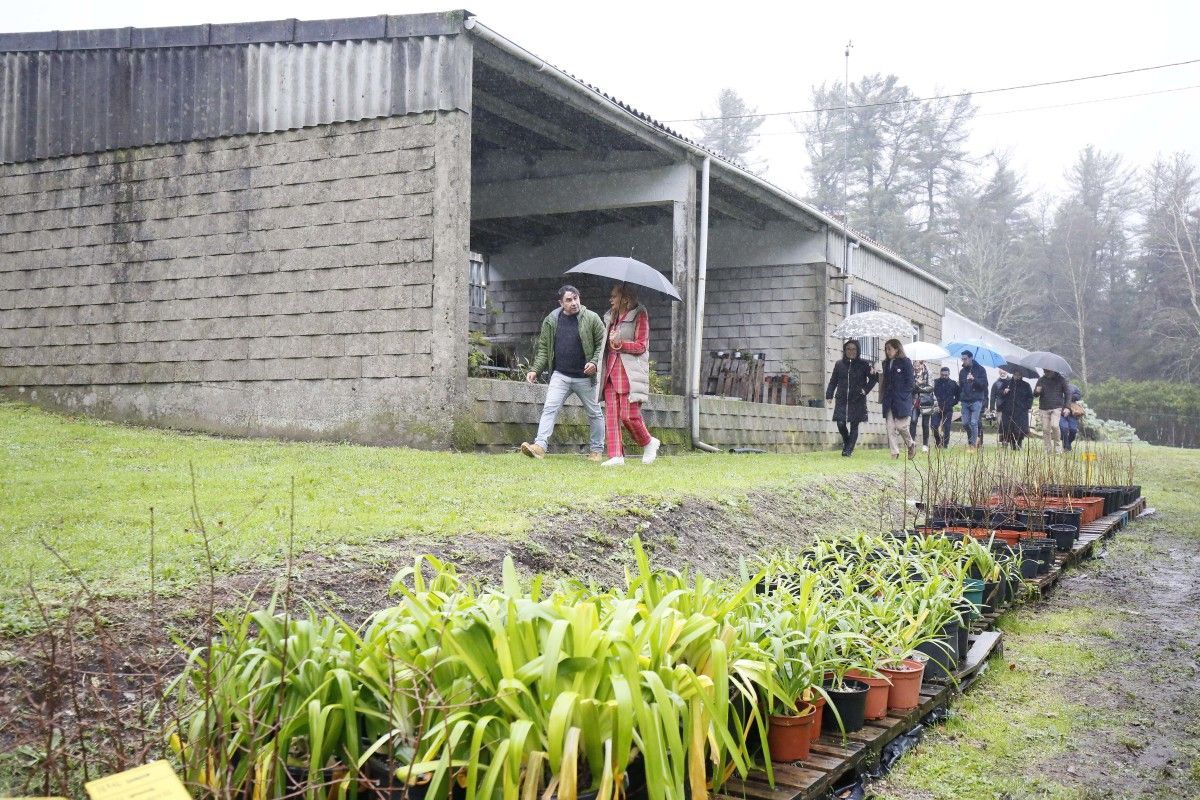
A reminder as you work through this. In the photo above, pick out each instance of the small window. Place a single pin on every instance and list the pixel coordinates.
(920, 337)
(859, 304)
(478, 282)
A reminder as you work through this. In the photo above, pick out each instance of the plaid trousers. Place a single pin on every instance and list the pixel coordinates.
(618, 412)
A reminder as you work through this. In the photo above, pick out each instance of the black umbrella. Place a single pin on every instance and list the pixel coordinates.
(1017, 369)
(1040, 359)
(628, 270)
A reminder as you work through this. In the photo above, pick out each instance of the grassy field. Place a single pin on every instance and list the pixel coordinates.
(86, 488)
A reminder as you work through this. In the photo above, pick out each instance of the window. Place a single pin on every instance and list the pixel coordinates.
(920, 337)
(478, 282)
(858, 304)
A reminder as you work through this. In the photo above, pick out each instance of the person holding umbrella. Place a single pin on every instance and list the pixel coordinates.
(972, 395)
(625, 375)
(852, 380)
(924, 402)
(896, 394)
(1053, 394)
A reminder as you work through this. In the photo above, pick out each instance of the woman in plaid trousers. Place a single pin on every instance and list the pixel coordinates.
(625, 375)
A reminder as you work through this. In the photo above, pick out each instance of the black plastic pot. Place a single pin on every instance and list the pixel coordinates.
(1033, 520)
(851, 704)
(1029, 564)
(1045, 556)
(990, 591)
(1062, 516)
(943, 657)
(1064, 536)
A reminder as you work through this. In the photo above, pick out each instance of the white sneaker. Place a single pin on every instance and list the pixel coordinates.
(924, 448)
(651, 451)
(615, 461)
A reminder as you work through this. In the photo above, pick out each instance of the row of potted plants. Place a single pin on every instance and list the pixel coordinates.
(671, 682)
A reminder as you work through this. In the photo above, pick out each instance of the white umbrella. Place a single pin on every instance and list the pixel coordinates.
(874, 324)
(925, 351)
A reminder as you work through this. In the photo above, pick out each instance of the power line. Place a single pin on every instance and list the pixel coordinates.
(947, 96)
(1032, 108)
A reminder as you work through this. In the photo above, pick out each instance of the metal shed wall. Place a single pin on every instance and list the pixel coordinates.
(69, 99)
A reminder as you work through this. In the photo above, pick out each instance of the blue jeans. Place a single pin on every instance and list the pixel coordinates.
(972, 415)
(556, 394)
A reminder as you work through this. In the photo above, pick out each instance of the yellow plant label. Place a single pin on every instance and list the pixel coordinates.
(153, 781)
(1088, 456)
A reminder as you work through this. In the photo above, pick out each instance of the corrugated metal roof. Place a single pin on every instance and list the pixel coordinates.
(75, 92)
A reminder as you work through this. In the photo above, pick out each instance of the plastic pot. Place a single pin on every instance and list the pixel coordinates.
(1064, 536)
(790, 737)
(1065, 516)
(942, 653)
(1029, 565)
(877, 694)
(905, 693)
(850, 703)
(973, 592)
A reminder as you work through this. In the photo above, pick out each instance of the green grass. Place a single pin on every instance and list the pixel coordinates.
(86, 487)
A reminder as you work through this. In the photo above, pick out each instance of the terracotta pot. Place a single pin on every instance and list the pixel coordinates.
(877, 695)
(905, 694)
(818, 716)
(790, 738)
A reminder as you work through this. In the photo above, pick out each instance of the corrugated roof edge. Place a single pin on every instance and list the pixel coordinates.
(382, 26)
(726, 164)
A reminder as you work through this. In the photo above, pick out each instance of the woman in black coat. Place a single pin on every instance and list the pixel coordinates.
(852, 379)
(895, 394)
(1013, 399)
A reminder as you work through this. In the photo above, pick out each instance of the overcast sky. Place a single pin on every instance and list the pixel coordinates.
(670, 59)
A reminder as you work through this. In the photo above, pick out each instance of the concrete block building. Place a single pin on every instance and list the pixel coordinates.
(291, 229)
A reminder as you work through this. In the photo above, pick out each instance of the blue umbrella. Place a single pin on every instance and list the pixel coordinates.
(627, 270)
(980, 350)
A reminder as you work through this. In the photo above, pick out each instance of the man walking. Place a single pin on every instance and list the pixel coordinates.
(568, 347)
(1052, 392)
(972, 395)
(945, 390)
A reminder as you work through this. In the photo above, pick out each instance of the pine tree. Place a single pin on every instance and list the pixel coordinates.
(731, 131)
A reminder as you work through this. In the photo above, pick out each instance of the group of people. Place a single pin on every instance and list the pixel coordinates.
(594, 359)
(607, 360)
(909, 398)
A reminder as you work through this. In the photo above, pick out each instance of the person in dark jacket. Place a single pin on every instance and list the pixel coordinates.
(1013, 399)
(972, 396)
(1052, 392)
(896, 383)
(852, 379)
(1068, 423)
(923, 404)
(945, 393)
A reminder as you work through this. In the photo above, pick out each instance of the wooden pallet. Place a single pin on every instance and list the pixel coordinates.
(834, 757)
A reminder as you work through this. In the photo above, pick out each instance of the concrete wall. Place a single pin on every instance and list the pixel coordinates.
(306, 284)
(507, 412)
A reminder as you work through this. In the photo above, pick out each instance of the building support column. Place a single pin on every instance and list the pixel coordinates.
(683, 275)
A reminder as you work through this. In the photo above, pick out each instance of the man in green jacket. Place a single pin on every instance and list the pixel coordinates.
(569, 348)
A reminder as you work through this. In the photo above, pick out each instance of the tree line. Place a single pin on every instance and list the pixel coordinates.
(1106, 274)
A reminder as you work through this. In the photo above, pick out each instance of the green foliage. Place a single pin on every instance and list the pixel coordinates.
(1164, 412)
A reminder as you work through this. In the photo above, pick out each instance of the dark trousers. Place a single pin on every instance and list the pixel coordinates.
(941, 427)
(912, 427)
(849, 436)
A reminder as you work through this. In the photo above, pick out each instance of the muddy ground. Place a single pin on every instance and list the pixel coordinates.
(1146, 705)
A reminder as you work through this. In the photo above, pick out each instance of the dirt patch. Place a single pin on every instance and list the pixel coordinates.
(1146, 742)
(95, 670)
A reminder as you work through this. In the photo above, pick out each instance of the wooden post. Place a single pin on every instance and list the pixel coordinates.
(683, 275)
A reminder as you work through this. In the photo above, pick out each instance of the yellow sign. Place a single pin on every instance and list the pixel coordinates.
(153, 781)
(1088, 456)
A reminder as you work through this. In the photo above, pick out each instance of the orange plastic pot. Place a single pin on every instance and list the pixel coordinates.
(818, 716)
(905, 694)
(877, 695)
(790, 738)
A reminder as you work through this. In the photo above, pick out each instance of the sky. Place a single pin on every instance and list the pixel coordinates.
(670, 59)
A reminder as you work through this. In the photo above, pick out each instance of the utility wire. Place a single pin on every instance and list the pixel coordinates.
(946, 96)
(1033, 108)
